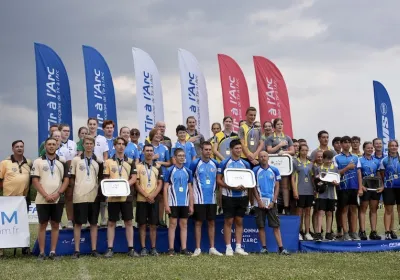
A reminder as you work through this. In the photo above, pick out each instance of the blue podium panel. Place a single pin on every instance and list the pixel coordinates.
(350, 246)
(250, 242)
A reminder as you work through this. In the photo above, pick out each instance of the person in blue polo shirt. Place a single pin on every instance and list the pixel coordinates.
(348, 193)
(367, 167)
(390, 172)
(178, 200)
(187, 147)
(204, 186)
(265, 198)
(234, 199)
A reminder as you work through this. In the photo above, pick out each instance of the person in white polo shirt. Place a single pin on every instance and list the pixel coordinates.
(101, 145)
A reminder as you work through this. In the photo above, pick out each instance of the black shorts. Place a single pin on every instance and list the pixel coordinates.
(234, 206)
(370, 195)
(179, 212)
(347, 197)
(204, 212)
(147, 213)
(86, 212)
(391, 196)
(305, 201)
(324, 204)
(117, 208)
(271, 214)
(50, 212)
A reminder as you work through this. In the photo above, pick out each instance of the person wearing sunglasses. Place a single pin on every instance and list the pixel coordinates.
(135, 135)
(15, 176)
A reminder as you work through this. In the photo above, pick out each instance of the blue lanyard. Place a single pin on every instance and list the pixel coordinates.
(51, 165)
(88, 162)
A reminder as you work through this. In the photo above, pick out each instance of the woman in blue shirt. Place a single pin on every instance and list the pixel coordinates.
(367, 167)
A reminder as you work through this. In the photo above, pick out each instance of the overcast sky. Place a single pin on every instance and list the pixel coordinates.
(328, 52)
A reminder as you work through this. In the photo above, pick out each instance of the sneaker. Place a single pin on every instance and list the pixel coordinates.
(214, 252)
(363, 235)
(153, 252)
(133, 254)
(346, 237)
(41, 257)
(219, 211)
(48, 228)
(171, 252)
(120, 223)
(318, 236)
(144, 252)
(374, 236)
(103, 222)
(284, 253)
(62, 226)
(308, 237)
(300, 237)
(186, 252)
(354, 236)
(70, 225)
(196, 252)
(75, 256)
(53, 256)
(241, 252)
(388, 236)
(25, 251)
(339, 235)
(95, 254)
(263, 251)
(329, 236)
(109, 253)
(393, 235)
(229, 252)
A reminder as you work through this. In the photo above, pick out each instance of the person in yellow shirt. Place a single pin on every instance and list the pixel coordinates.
(15, 176)
(148, 185)
(50, 178)
(120, 167)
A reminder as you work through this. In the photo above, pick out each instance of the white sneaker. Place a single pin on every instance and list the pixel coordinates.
(240, 251)
(229, 252)
(103, 222)
(120, 223)
(196, 252)
(70, 225)
(214, 252)
(48, 228)
(61, 225)
(300, 237)
(308, 237)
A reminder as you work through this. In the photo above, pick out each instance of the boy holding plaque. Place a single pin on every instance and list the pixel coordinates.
(86, 174)
(120, 167)
(234, 199)
(178, 200)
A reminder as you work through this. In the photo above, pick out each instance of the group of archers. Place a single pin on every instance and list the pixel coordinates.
(186, 179)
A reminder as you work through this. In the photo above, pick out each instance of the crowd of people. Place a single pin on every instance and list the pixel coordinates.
(185, 180)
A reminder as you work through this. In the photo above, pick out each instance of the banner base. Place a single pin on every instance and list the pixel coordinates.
(350, 246)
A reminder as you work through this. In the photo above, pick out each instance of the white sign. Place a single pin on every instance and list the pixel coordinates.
(235, 177)
(14, 225)
(32, 214)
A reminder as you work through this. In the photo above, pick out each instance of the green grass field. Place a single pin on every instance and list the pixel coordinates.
(273, 266)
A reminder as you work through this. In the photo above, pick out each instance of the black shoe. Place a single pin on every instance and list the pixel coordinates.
(153, 252)
(95, 254)
(388, 236)
(26, 251)
(171, 252)
(186, 252)
(109, 254)
(53, 257)
(363, 235)
(252, 211)
(76, 255)
(393, 235)
(318, 237)
(219, 211)
(374, 236)
(263, 251)
(144, 252)
(41, 257)
(284, 252)
(133, 254)
(329, 236)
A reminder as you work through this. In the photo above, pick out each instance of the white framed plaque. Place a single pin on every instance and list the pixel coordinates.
(235, 177)
(284, 163)
(329, 177)
(115, 187)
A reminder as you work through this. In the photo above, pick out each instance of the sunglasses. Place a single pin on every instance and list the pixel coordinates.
(135, 134)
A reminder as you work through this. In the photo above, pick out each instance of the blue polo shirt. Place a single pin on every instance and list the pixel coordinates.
(163, 155)
(368, 166)
(391, 167)
(266, 179)
(204, 180)
(349, 180)
(179, 179)
(131, 151)
(189, 149)
(231, 163)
